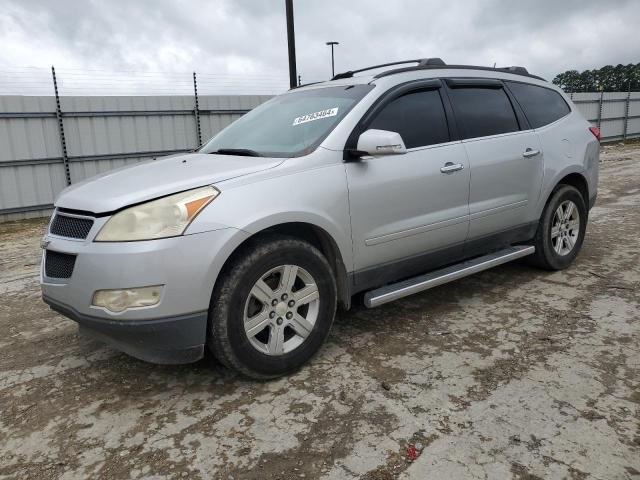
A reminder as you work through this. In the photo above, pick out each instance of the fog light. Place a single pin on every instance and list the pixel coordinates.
(122, 299)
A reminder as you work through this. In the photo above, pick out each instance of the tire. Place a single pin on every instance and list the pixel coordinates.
(259, 271)
(550, 254)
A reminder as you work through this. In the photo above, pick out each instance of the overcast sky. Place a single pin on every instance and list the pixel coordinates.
(248, 37)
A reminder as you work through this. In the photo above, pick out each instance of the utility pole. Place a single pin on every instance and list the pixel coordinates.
(333, 68)
(291, 41)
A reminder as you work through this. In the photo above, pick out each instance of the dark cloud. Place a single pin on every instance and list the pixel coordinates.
(248, 36)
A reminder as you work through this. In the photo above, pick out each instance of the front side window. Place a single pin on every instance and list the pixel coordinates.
(418, 117)
(541, 105)
(481, 112)
(288, 125)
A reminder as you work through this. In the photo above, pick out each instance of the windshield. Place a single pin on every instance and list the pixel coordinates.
(289, 125)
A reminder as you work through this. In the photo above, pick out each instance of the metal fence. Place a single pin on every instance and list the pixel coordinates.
(617, 114)
(49, 142)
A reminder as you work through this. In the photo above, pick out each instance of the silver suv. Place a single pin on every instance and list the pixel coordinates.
(385, 184)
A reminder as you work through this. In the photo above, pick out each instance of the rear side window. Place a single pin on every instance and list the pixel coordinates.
(483, 111)
(542, 106)
(418, 117)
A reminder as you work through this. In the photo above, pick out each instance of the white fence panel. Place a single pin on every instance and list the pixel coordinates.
(616, 113)
(107, 132)
(101, 133)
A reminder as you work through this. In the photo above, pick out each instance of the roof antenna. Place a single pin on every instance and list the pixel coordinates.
(494, 65)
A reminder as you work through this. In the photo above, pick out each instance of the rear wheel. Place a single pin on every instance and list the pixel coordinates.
(272, 308)
(561, 229)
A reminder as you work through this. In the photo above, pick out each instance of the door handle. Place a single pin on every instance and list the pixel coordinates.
(529, 152)
(450, 167)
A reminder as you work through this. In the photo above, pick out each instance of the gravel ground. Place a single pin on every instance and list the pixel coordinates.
(512, 373)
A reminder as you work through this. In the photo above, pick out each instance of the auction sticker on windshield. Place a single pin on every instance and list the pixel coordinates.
(309, 117)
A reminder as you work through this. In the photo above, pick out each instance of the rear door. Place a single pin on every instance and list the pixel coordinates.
(406, 214)
(506, 163)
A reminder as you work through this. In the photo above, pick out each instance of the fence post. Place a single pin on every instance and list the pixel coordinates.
(600, 108)
(626, 113)
(63, 142)
(196, 109)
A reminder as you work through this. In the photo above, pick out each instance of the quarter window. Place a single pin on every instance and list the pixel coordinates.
(483, 111)
(541, 105)
(418, 117)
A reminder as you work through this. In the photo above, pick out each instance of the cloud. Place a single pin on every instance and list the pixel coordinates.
(236, 38)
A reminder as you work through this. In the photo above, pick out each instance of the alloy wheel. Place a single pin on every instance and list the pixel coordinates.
(565, 228)
(281, 310)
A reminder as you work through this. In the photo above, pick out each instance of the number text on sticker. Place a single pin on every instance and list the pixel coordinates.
(329, 112)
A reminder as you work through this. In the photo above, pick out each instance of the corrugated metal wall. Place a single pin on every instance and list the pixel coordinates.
(101, 133)
(616, 113)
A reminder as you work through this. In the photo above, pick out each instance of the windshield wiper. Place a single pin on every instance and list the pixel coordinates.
(243, 152)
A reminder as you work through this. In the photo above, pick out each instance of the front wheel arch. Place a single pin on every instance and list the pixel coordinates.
(312, 234)
(225, 336)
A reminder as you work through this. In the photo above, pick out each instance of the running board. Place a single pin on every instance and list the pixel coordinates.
(392, 292)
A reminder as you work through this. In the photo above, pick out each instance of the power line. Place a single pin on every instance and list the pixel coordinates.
(90, 82)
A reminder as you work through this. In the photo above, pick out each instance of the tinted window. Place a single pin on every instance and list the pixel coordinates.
(483, 111)
(541, 105)
(418, 117)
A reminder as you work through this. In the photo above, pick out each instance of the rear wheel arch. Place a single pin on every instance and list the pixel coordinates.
(573, 178)
(546, 255)
(578, 181)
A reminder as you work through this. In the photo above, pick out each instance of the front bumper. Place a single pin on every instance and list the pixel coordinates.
(172, 331)
(169, 340)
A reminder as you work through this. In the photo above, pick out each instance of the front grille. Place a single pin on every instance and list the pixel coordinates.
(59, 265)
(72, 227)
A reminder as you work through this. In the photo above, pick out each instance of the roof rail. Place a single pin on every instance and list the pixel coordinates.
(432, 64)
(419, 61)
(516, 70)
(513, 70)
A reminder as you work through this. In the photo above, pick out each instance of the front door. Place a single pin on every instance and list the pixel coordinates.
(409, 212)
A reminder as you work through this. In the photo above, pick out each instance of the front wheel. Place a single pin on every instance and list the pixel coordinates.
(272, 308)
(561, 229)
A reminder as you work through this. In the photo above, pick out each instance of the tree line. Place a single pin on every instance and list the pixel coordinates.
(609, 78)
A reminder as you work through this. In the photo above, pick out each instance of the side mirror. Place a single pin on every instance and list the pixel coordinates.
(381, 142)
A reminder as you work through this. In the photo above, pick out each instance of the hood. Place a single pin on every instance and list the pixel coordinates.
(156, 178)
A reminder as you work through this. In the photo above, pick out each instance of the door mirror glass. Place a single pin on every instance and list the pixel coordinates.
(380, 142)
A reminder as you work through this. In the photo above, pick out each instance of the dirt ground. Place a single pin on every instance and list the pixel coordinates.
(512, 373)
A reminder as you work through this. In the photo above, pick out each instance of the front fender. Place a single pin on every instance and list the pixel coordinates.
(317, 197)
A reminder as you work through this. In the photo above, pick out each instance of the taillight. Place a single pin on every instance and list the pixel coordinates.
(596, 132)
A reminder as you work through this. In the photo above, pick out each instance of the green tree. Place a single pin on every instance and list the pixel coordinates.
(608, 78)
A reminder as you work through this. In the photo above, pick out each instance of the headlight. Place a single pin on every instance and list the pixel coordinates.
(165, 217)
